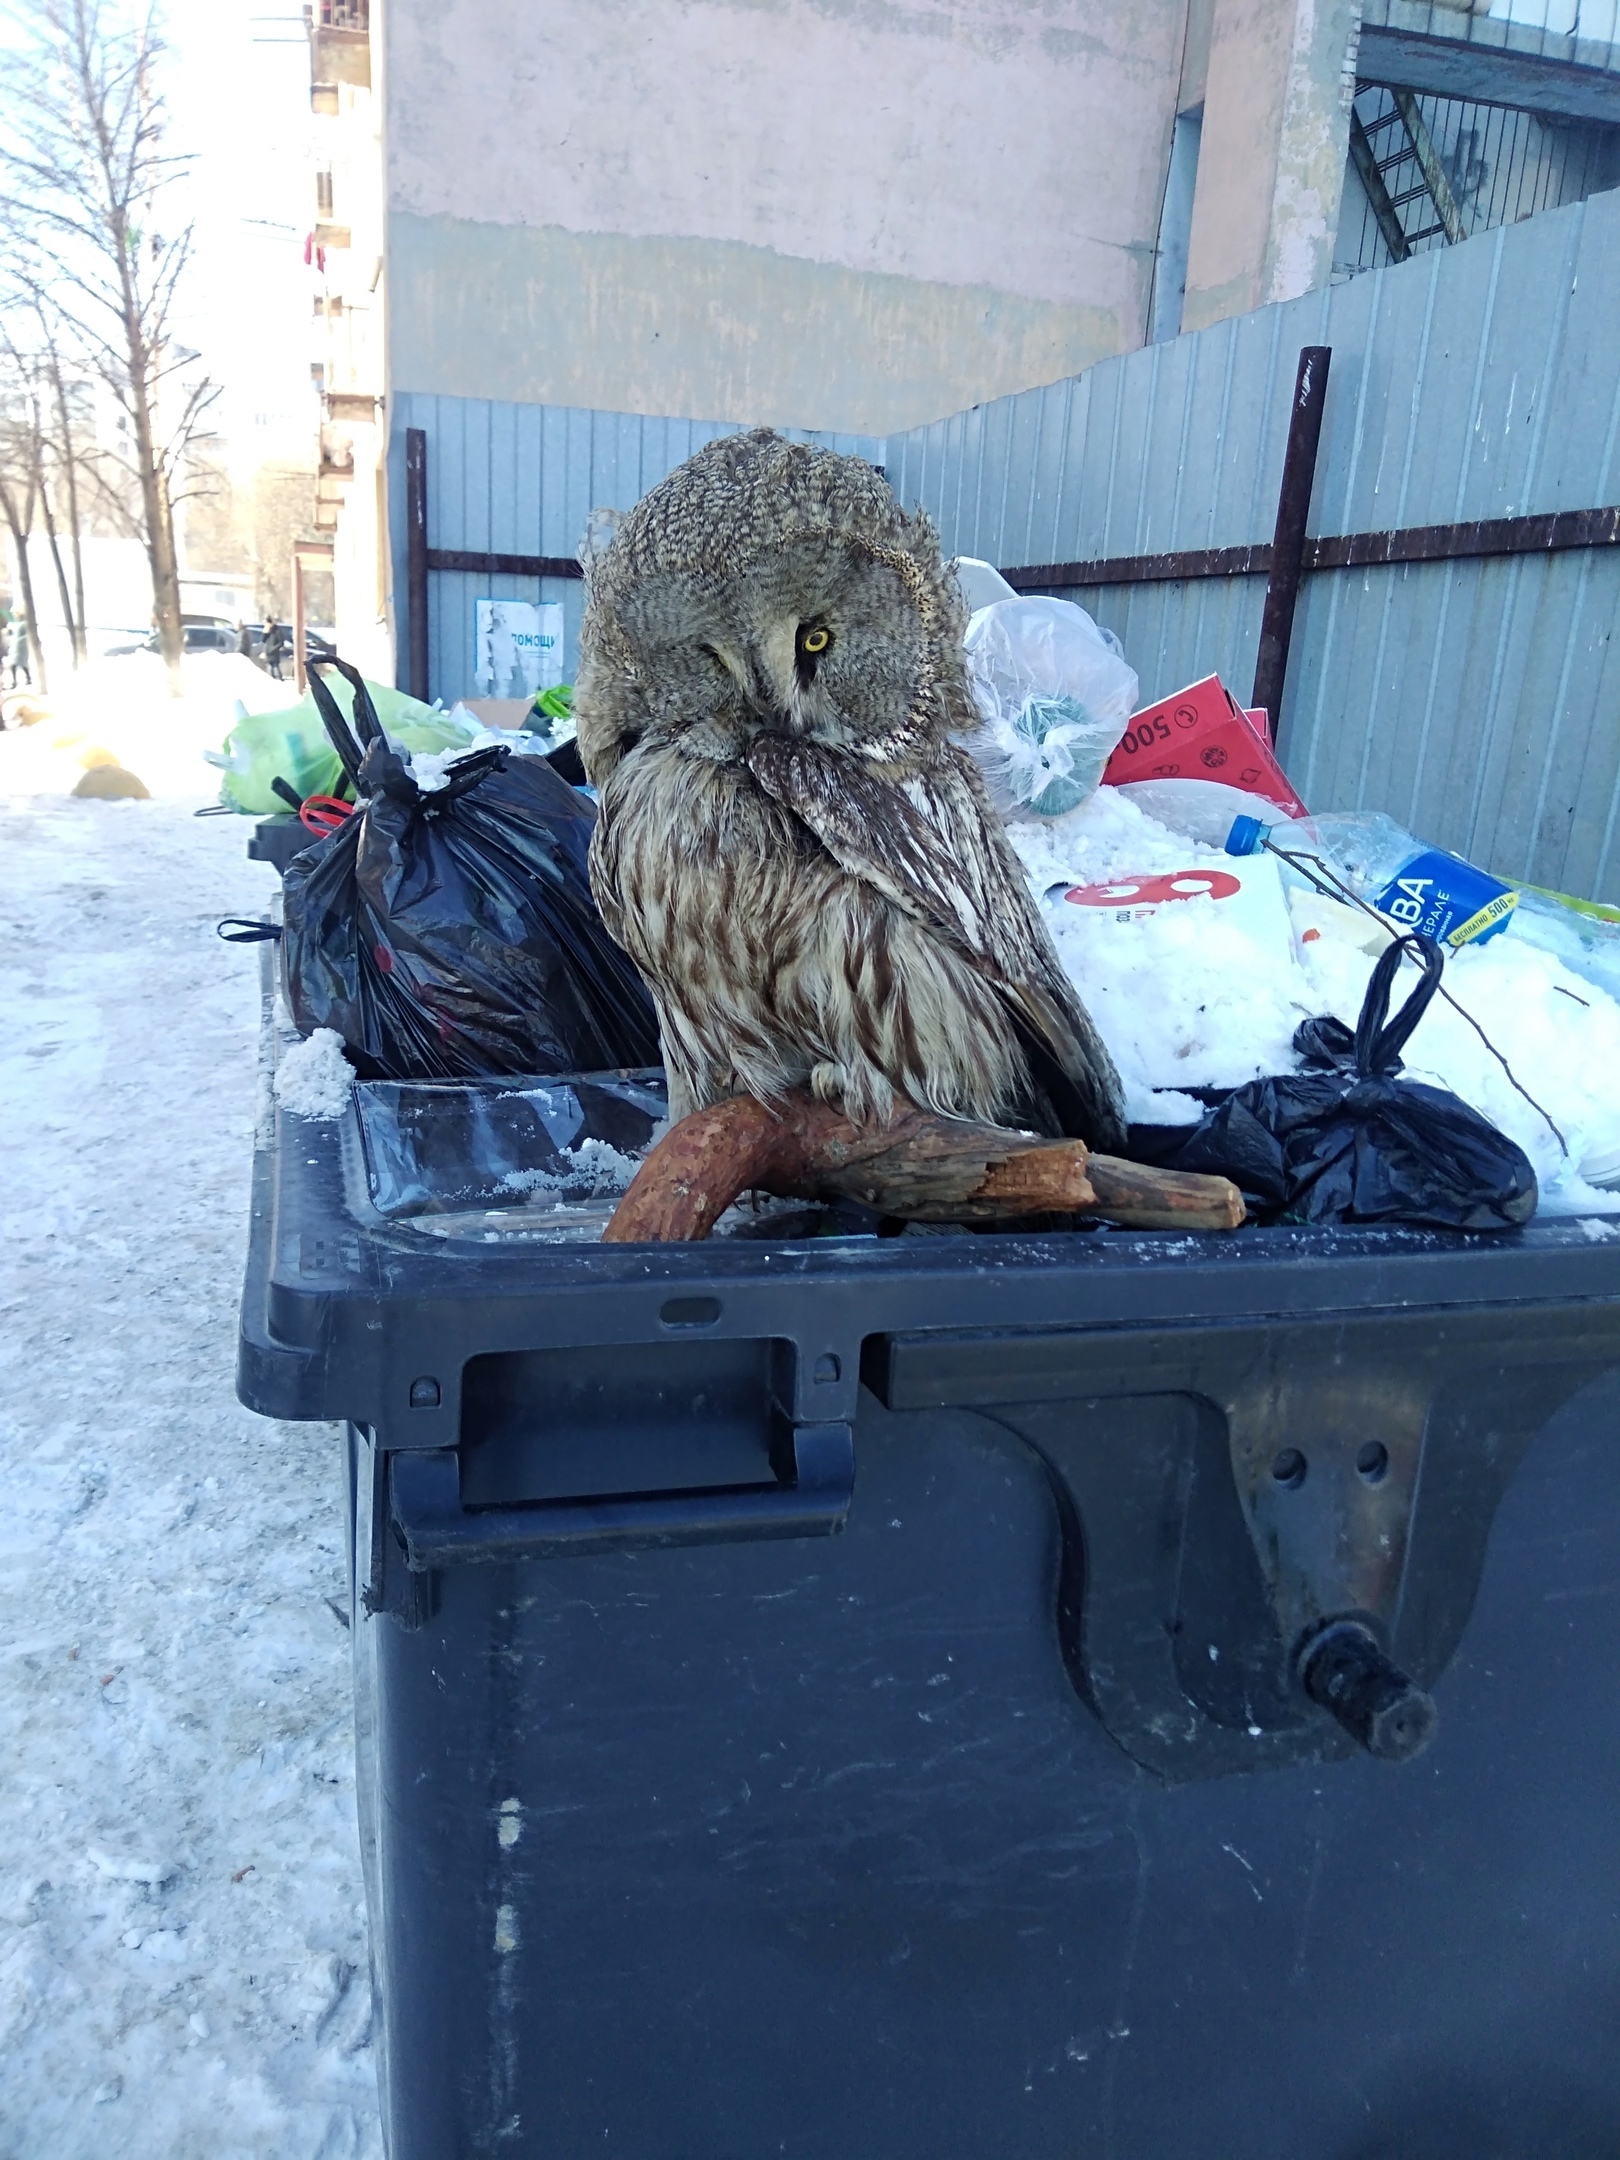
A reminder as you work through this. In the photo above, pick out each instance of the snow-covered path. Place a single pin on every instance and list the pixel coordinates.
(182, 1947)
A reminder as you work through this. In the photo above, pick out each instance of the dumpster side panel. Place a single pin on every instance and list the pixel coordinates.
(812, 1848)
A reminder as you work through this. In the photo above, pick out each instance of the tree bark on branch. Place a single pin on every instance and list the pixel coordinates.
(916, 1166)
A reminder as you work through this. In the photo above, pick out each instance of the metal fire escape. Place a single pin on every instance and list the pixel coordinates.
(1395, 156)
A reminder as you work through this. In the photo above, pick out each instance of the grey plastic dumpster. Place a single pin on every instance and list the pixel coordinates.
(852, 1698)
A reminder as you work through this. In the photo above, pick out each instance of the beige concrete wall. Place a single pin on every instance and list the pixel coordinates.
(1279, 81)
(712, 329)
(844, 214)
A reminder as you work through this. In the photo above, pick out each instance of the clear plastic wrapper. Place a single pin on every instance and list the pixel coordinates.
(1054, 693)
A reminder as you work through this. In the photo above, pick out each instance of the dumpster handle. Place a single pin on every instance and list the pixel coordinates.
(437, 1531)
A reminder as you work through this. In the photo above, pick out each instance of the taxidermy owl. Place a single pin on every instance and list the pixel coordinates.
(802, 863)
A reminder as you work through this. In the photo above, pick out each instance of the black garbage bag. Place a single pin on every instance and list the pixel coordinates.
(450, 933)
(1345, 1140)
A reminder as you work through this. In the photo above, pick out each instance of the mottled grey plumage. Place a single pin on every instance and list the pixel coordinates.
(792, 850)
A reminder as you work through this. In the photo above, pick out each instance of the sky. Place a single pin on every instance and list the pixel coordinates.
(238, 94)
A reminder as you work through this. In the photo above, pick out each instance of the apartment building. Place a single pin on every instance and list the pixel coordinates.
(857, 215)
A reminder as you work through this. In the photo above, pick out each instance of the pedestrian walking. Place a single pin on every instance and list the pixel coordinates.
(20, 670)
(275, 648)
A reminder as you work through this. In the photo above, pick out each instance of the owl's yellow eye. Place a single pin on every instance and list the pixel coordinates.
(815, 641)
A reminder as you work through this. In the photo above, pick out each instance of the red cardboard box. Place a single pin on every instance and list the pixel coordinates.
(1201, 733)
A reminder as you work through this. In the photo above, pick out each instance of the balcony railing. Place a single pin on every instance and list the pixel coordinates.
(339, 41)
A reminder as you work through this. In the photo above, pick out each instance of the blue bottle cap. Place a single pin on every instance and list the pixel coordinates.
(1246, 837)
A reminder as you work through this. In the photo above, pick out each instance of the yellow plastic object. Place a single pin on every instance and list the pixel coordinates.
(111, 783)
(1599, 910)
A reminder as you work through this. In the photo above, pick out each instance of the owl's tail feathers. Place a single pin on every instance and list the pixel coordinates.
(1074, 1089)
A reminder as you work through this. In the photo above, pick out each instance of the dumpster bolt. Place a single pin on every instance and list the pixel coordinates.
(1345, 1669)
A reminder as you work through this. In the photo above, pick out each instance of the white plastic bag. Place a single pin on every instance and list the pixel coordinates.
(1055, 693)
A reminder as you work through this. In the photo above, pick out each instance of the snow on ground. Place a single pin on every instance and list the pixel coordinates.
(182, 1943)
(121, 708)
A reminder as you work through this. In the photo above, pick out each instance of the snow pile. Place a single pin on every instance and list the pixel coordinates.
(594, 1170)
(122, 708)
(314, 1078)
(1186, 998)
(182, 1940)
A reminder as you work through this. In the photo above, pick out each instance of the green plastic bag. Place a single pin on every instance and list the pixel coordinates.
(551, 713)
(292, 745)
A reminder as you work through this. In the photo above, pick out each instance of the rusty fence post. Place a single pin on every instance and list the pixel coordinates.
(416, 564)
(1288, 545)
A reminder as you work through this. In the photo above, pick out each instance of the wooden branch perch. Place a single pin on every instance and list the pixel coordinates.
(918, 1166)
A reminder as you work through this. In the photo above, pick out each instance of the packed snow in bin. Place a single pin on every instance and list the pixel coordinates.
(1198, 966)
(1202, 988)
(314, 1079)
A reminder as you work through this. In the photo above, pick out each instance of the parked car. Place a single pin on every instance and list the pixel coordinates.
(201, 635)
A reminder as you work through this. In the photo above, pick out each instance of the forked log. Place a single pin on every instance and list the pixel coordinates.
(919, 1167)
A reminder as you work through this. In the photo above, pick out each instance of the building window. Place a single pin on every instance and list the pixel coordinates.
(323, 194)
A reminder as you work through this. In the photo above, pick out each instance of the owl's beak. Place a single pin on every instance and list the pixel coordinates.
(766, 683)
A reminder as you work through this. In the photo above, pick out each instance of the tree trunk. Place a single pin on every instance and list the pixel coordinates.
(70, 471)
(157, 512)
(75, 636)
(157, 516)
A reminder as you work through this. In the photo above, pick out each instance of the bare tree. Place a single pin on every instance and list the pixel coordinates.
(83, 176)
(69, 453)
(40, 443)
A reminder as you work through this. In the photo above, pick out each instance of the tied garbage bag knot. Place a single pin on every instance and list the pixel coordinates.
(1347, 1140)
(450, 933)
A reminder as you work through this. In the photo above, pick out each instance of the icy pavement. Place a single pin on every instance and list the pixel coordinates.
(182, 1947)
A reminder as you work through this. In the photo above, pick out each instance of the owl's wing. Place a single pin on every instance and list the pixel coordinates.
(933, 846)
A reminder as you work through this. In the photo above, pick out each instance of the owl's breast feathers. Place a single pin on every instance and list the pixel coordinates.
(813, 918)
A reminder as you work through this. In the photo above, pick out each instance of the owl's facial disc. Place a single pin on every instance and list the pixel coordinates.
(813, 637)
(839, 640)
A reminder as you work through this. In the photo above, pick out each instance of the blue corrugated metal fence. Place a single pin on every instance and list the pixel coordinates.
(1474, 700)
